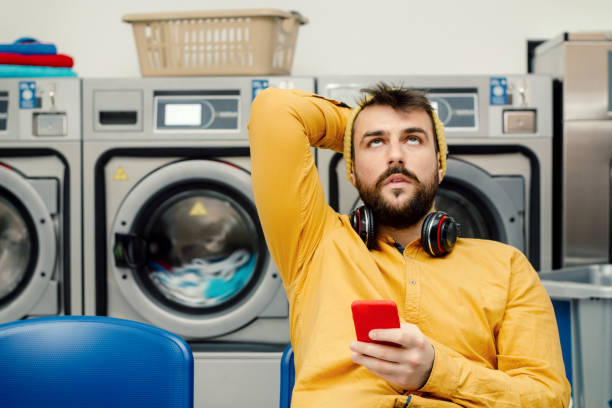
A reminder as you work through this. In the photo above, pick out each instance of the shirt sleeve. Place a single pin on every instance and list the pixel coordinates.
(283, 126)
(530, 371)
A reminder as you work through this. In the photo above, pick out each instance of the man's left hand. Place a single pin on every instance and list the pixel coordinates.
(407, 366)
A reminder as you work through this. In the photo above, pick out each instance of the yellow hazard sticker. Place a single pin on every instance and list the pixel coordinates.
(198, 209)
(120, 174)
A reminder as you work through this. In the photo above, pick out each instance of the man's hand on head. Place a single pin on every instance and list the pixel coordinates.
(407, 366)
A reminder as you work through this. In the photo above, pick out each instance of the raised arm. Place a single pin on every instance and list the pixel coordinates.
(284, 125)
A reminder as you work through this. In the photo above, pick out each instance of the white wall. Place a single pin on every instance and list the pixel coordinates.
(343, 36)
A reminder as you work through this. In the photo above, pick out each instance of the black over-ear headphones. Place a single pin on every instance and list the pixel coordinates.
(438, 235)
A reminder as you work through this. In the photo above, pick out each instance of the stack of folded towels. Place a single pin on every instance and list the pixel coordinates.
(27, 57)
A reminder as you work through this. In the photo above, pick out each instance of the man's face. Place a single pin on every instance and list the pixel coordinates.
(395, 168)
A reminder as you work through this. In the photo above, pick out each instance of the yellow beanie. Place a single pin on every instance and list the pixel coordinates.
(348, 138)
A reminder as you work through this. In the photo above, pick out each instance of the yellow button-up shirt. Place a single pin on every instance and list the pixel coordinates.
(482, 306)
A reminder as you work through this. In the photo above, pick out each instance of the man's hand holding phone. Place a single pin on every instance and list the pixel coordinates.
(399, 353)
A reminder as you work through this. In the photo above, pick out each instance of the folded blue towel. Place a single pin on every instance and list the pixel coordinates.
(25, 71)
(29, 46)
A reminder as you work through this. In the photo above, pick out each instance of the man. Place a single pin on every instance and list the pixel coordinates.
(478, 327)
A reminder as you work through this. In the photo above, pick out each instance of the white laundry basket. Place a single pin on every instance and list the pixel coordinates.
(221, 42)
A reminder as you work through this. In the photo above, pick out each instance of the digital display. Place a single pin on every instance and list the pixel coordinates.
(194, 112)
(183, 114)
(455, 110)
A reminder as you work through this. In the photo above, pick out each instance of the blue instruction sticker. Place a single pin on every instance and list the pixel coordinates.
(27, 94)
(259, 85)
(499, 91)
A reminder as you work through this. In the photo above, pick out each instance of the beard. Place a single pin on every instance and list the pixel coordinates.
(402, 216)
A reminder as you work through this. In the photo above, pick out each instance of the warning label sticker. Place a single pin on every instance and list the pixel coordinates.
(198, 209)
(120, 174)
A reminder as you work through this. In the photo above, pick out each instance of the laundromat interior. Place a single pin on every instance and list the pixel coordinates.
(128, 214)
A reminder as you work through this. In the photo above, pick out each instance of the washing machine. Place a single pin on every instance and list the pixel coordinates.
(498, 184)
(171, 232)
(40, 198)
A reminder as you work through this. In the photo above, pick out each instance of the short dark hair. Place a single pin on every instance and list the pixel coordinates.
(398, 98)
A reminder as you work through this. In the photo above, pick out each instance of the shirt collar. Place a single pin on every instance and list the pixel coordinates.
(412, 249)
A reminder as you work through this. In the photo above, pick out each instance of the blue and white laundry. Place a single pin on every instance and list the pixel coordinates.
(204, 283)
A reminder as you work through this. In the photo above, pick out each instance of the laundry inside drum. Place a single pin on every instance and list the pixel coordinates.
(203, 249)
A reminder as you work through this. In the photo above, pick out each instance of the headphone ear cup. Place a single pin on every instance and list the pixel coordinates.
(371, 229)
(439, 233)
(362, 221)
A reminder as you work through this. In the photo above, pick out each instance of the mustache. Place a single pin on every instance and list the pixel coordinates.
(396, 170)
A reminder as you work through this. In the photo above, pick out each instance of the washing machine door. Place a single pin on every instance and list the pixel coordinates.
(28, 244)
(188, 252)
(481, 203)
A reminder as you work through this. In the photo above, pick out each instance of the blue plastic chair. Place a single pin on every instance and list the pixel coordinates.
(287, 377)
(93, 361)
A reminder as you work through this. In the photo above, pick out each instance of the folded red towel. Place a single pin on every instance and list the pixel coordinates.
(56, 60)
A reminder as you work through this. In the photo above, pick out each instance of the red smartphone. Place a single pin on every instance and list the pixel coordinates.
(374, 314)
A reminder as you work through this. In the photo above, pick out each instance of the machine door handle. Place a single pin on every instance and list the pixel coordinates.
(130, 251)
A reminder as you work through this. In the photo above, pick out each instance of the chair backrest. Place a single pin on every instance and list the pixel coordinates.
(287, 377)
(93, 361)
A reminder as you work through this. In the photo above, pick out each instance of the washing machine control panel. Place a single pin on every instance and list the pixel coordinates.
(49, 124)
(457, 108)
(211, 110)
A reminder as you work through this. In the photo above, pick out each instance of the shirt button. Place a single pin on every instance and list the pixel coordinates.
(412, 282)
